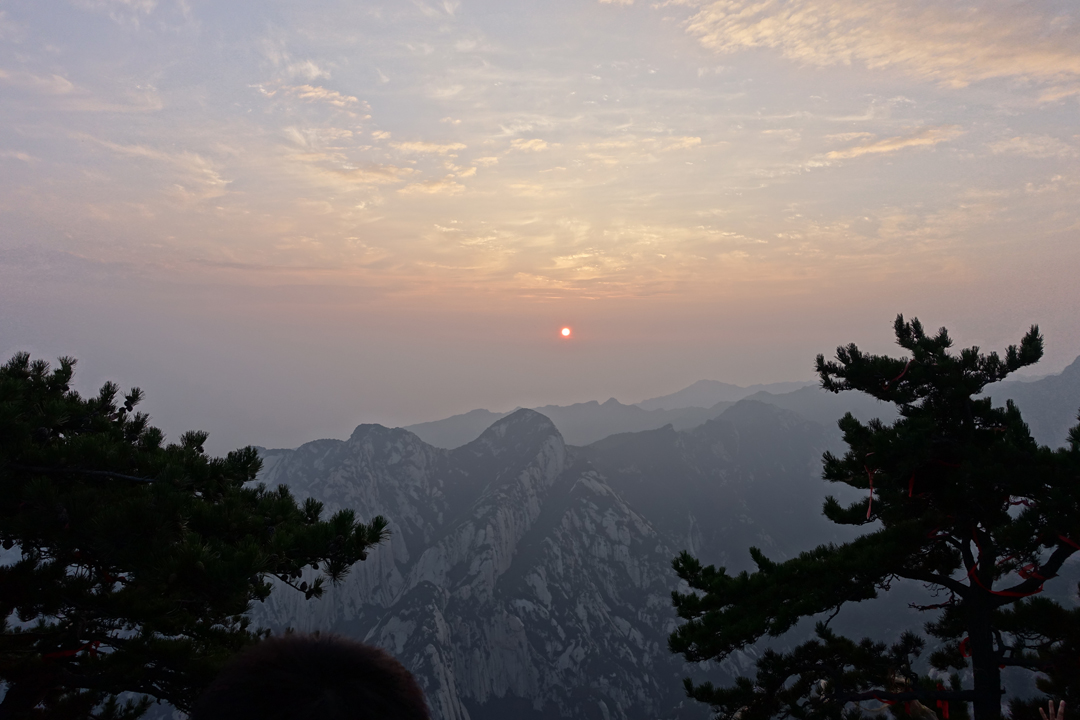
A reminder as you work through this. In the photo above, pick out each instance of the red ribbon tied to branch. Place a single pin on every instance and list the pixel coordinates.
(902, 374)
(90, 647)
(943, 705)
(1031, 571)
(974, 574)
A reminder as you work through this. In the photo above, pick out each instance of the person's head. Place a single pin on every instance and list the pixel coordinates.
(308, 677)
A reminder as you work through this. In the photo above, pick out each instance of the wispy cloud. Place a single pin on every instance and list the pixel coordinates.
(445, 186)
(120, 10)
(316, 93)
(682, 143)
(307, 69)
(535, 190)
(848, 136)
(533, 145)
(58, 93)
(925, 137)
(334, 169)
(427, 148)
(44, 84)
(943, 42)
(373, 174)
(17, 155)
(193, 170)
(1034, 146)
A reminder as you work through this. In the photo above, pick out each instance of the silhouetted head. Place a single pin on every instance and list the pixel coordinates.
(309, 677)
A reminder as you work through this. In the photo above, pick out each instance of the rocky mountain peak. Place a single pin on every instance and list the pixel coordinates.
(520, 430)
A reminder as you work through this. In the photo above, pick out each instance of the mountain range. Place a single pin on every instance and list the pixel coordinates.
(529, 576)
(1049, 405)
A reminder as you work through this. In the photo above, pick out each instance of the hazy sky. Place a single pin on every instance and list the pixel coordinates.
(283, 219)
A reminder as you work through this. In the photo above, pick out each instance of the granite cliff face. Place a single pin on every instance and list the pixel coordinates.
(527, 578)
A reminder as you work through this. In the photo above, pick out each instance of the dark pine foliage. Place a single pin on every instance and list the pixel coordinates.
(132, 562)
(962, 500)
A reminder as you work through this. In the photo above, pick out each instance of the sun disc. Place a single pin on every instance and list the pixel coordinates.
(566, 332)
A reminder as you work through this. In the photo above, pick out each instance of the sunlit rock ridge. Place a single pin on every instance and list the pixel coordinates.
(528, 578)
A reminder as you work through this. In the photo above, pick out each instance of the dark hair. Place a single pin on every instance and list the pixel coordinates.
(312, 677)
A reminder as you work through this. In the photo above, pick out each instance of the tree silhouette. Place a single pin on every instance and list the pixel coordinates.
(130, 563)
(962, 500)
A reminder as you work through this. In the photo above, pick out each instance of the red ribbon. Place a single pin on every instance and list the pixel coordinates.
(1031, 571)
(1000, 593)
(965, 647)
(943, 705)
(902, 374)
(90, 647)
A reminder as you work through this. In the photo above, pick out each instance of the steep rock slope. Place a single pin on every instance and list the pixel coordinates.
(516, 580)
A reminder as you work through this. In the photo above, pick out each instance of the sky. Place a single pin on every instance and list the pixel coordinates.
(284, 219)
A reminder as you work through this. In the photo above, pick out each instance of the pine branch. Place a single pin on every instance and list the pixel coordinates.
(77, 471)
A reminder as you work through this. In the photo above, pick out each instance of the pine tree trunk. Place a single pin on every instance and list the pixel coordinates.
(987, 704)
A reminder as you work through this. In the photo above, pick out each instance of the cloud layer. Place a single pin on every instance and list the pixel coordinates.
(945, 42)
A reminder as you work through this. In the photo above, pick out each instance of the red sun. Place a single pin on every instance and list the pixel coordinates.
(565, 332)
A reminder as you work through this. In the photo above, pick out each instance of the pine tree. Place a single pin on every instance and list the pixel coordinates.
(130, 563)
(961, 499)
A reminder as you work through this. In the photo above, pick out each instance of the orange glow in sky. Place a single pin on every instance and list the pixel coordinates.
(415, 191)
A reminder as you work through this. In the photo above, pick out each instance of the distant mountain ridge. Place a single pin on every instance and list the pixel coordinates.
(1049, 405)
(587, 422)
(706, 393)
(579, 424)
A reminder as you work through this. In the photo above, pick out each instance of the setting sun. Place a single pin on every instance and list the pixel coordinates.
(566, 332)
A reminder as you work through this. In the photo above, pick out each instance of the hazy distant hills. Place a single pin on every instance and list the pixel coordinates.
(748, 477)
(455, 430)
(1049, 405)
(706, 393)
(579, 424)
(585, 423)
